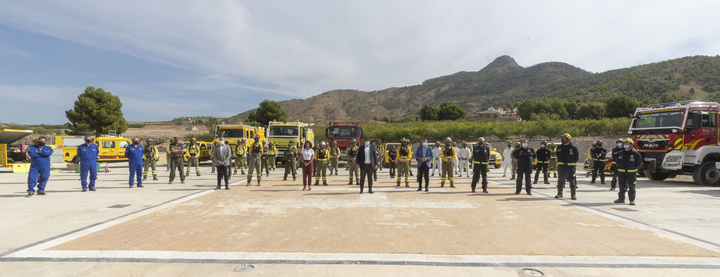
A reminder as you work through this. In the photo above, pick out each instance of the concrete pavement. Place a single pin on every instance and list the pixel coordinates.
(190, 229)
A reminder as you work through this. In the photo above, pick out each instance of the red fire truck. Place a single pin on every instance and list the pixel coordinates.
(678, 138)
(343, 133)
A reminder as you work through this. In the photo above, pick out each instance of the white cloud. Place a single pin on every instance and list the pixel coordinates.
(296, 49)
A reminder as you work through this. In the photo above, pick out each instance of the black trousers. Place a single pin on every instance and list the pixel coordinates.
(478, 171)
(627, 182)
(598, 166)
(423, 172)
(366, 170)
(542, 166)
(222, 173)
(523, 173)
(614, 170)
(566, 172)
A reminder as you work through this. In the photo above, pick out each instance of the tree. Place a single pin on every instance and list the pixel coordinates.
(590, 111)
(450, 111)
(571, 107)
(96, 110)
(268, 111)
(620, 106)
(429, 113)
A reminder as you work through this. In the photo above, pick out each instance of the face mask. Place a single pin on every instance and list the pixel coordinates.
(307, 145)
(626, 146)
(192, 143)
(322, 146)
(41, 144)
(447, 144)
(222, 142)
(542, 146)
(524, 144)
(88, 141)
(424, 143)
(619, 144)
(367, 143)
(480, 143)
(149, 143)
(402, 143)
(509, 146)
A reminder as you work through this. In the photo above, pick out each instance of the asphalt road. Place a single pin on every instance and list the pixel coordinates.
(278, 229)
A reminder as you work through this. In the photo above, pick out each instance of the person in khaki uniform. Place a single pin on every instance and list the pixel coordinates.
(264, 158)
(552, 165)
(272, 154)
(240, 159)
(352, 164)
(290, 155)
(193, 153)
(176, 160)
(403, 166)
(381, 155)
(448, 157)
(334, 156)
(255, 151)
(321, 159)
(150, 157)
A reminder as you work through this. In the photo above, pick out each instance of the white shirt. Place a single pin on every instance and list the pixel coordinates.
(464, 153)
(367, 155)
(307, 154)
(437, 152)
(507, 154)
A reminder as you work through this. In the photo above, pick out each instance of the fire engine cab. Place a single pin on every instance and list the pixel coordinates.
(678, 138)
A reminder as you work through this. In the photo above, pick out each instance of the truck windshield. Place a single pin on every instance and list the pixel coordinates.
(344, 132)
(231, 133)
(279, 131)
(660, 119)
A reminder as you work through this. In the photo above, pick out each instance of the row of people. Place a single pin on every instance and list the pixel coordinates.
(365, 158)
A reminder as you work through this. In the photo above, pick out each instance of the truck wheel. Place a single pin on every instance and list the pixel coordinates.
(657, 176)
(75, 160)
(708, 175)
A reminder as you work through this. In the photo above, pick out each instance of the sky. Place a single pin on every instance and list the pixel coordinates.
(173, 58)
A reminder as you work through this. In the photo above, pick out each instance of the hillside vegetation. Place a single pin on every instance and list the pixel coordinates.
(505, 83)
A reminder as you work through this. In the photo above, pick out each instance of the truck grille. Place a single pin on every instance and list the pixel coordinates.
(657, 144)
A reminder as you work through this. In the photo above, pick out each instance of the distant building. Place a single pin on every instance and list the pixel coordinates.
(498, 114)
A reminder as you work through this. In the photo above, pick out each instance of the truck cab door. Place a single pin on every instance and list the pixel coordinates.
(702, 130)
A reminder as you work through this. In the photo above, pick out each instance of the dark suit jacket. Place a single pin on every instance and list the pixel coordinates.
(360, 156)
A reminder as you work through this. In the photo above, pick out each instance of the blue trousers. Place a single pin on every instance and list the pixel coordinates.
(136, 170)
(39, 175)
(90, 166)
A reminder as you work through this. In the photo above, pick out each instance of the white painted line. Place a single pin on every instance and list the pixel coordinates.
(58, 241)
(379, 257)
(636, 224)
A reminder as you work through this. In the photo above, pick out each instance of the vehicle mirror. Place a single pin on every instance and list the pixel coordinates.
(696, 121)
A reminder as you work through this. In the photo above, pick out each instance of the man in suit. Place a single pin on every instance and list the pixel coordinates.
(367, 160)
(424, 157)
(222, 155)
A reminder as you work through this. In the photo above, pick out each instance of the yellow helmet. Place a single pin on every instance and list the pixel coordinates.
(629, 140)
(404, 139)
(565, 136)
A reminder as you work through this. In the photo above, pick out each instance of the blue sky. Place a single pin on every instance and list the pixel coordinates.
(167, 59)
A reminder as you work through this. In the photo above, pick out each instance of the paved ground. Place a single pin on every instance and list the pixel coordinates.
(190, 229)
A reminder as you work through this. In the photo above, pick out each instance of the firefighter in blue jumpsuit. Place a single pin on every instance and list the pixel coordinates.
(88, 155)
(39, 167)
(134, 153)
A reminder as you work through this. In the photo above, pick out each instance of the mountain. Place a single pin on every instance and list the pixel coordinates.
(504, 82)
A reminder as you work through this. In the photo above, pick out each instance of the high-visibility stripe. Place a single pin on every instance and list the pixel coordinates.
(477, 162)
(627, 170)
(542, 162)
